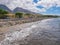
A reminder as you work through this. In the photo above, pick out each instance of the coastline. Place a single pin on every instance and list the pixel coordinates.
(34, 28)
(20, 25)
(13, 25)
(12, 22)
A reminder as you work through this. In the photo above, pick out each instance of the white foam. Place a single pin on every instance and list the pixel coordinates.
(33, 26)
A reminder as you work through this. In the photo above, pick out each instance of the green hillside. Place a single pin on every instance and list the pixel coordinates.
(5, 14)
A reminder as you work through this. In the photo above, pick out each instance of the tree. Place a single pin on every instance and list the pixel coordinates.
(3, 13)
(19, 15)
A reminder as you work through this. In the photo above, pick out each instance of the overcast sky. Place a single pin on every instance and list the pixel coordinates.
(39, 6)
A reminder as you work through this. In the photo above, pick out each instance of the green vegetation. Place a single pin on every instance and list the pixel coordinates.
(27, 14)
(19, 15)
(3, 16)
(50, 16)
(3, 13)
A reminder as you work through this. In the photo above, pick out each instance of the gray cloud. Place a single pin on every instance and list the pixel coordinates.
(30, 5)
(26, 4)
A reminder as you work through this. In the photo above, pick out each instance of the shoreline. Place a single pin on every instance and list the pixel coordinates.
(38, 27)
(6, 27)
(12, 22)
(19, 26)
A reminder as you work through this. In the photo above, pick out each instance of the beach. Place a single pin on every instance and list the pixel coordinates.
(45, 32)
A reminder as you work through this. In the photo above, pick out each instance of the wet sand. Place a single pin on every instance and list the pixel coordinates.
(44, 32)
(6, 29)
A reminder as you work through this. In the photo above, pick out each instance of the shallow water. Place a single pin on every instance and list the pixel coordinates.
(45, 32)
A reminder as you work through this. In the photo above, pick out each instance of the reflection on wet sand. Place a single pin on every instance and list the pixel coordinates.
(45, 32)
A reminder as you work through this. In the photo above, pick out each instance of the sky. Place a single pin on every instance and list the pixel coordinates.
(38, 6)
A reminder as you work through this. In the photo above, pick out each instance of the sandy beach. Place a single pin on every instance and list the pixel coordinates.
(45, 32)
(7, 26)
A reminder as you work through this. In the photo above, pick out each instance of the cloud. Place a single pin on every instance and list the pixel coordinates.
(31, 5)
(26, 4)
(49, 3)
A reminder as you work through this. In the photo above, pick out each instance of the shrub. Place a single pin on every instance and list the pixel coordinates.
(3, 16)
(19, 15)
(27, 14)
(3, 13)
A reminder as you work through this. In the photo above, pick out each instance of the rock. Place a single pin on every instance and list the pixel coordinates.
(45, 32)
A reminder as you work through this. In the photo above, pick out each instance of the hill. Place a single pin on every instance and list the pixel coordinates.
(17, 9)
(5, 8)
